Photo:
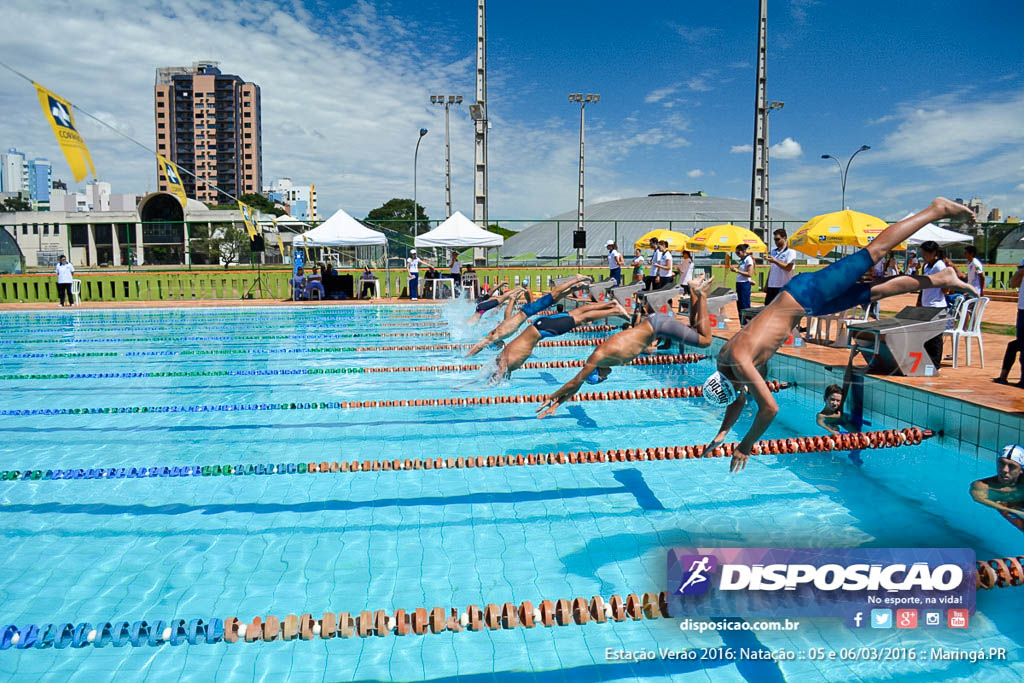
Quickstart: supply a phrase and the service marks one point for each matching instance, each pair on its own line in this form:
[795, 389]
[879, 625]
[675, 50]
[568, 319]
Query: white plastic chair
[967, 326]
[847, 317]
[76, 292]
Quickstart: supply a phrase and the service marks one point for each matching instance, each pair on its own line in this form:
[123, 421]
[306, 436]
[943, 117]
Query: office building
[300, 199]
[208, 123]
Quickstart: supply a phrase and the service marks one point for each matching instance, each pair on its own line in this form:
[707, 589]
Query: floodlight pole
[583, 101]
[447, 101]
[845, 172]
[415, 203]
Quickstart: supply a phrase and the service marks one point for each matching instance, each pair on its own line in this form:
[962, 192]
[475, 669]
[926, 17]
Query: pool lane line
[673, 359]
[305, 325]
[628, 395]
[908, 436]
[553, 343]
[418, 621]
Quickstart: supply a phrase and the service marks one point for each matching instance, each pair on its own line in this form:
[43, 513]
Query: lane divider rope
[551, 343]
[627, 395]
[230, 338]
[805, 444]
[532, 365]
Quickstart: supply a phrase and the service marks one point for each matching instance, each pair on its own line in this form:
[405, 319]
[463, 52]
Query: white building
[13, 171]
[300, 199]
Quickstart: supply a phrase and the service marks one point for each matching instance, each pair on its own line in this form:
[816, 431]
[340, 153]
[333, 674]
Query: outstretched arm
[732, 413]
[979, 492]
[767, 409]
[569, 389]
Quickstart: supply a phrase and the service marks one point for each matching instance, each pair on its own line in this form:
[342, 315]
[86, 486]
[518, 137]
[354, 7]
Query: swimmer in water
[517, 351]
[831, 417]
[822, 292]
[624, 347]
[514, 319]
[492, 300]
[1004, 491]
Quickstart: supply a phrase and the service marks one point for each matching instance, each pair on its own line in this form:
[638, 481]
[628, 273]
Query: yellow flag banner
[173, 176]
[277, 231]
[249, 217]
[58, 113]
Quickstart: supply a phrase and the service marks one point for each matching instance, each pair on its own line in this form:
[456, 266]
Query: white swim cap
[1015, 453]
[718, 390]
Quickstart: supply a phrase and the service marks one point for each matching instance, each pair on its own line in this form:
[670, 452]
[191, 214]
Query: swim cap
[597, 376]
[718, 390]
[1014, 452]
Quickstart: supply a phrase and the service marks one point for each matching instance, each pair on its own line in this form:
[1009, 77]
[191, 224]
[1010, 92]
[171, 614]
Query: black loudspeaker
[579, 239]
[257, 244]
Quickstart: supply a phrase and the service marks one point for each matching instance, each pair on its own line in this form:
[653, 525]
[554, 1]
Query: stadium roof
[678, 211]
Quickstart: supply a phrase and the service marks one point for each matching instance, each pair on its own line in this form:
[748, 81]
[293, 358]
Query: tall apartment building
[208, 123]
[300, 199]
[28, 177]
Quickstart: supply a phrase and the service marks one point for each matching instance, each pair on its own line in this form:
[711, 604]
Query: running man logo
[58, 112]
[695, 579]
[173, 176]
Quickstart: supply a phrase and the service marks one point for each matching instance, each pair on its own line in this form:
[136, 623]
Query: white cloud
[698, 83]
[741, 149]
[787, 149]
[696, 34]
[695, 173]
[659, 94]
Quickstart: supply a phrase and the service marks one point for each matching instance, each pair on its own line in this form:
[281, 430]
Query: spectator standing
[782, 260]
[412, 265]
[638, 265]
[615, 262]
[655, 264]
[1017, 345]
[664, 266]
[65, 278]
[744, 270]
[975, 270]
[686, 268]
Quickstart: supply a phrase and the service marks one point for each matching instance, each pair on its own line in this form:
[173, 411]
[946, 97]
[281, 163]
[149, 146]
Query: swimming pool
[100, 550]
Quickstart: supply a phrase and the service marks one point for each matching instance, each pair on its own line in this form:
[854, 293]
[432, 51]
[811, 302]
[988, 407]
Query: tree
[232, 245]
[498, 230]
[397, 214]
[15, 204]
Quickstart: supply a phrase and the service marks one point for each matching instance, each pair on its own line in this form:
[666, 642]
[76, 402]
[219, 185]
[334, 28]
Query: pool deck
[966, 383]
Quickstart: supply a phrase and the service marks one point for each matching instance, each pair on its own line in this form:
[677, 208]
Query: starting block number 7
[916, 355]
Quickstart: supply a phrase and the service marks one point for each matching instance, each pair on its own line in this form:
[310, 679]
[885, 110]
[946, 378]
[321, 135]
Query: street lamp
[844, 172]
[415, 205]
[583, 101]
[447, 101]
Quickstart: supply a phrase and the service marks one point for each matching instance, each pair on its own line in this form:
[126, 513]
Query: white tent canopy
[936, 234]
[340, 230]
[459, 231]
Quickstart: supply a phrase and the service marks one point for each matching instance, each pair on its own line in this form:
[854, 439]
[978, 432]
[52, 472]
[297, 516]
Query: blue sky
[936, 89]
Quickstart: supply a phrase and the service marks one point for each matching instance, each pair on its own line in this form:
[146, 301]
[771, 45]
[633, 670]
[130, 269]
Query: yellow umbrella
[823, 233]
[677, 241]
[726, 238]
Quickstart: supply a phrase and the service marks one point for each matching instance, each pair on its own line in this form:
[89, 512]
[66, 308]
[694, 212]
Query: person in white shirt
[782, 260]
[933, 263]
[686, 268]
[65, 276]
[615, 262]
[664, 266]
[744, 270]
[655, 261]
[412, 264]
[638, 266]
[975, 271]
[913, 263]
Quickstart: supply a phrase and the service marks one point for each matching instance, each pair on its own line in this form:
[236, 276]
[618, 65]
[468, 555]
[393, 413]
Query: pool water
[166, 548]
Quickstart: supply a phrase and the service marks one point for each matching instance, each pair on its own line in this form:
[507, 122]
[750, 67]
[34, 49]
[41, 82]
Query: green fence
[226, 285]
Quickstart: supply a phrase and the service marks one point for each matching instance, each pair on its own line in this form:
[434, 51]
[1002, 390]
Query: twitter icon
[881, 618]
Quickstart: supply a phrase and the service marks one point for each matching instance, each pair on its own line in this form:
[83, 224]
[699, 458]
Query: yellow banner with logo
[249, 217]
[173, 176]
[58, 113]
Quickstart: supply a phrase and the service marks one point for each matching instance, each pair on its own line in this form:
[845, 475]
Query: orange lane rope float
[802, 444]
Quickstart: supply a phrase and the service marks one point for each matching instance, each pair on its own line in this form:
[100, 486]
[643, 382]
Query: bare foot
[950, 209]
[947, 279]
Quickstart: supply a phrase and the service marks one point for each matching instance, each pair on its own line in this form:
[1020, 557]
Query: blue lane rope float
[643, 360]
[630, 395]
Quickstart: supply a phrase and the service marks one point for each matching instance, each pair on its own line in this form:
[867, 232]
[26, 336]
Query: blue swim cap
[1015, 453]
[593, 378]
